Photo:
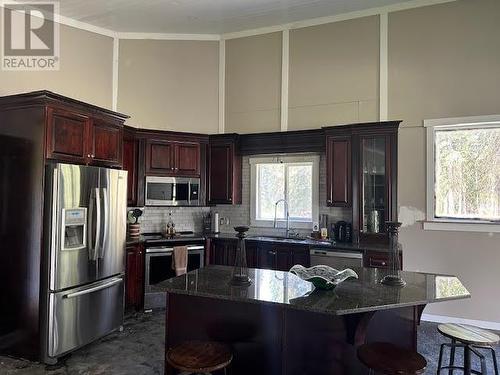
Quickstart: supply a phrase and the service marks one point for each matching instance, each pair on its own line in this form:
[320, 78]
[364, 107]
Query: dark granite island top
[281, 325]
[352, 296]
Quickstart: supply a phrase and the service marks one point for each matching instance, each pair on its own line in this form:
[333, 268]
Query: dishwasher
[336, 259]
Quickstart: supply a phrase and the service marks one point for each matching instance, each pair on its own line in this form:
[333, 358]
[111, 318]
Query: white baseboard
[495, 326]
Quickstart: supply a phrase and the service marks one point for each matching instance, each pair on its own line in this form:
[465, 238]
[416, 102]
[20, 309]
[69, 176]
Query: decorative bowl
[323, 277]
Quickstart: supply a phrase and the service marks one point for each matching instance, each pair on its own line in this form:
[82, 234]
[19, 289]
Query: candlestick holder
[240, 270]
[393, 278]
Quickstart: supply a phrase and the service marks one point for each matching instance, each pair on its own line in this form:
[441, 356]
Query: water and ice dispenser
[74, 229]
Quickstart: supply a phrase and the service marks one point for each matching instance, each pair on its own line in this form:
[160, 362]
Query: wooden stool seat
[389, 359]
[468, 334]
[199, 356]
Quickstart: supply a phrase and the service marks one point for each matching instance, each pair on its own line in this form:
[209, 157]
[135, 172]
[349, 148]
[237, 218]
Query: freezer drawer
[79, 316]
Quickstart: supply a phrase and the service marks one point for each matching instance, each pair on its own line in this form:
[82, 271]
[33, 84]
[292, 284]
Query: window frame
[451, 224]
[273, 159]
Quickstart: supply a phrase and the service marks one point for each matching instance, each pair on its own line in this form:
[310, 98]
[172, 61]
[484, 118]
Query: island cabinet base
[272, 339]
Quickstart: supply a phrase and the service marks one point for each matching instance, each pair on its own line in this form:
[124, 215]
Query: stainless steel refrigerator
[85, 234]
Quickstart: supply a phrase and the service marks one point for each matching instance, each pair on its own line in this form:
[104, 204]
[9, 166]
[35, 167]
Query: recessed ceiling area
[205, 16]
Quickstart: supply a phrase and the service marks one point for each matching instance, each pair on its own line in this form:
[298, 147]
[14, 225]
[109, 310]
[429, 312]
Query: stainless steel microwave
[172, 191]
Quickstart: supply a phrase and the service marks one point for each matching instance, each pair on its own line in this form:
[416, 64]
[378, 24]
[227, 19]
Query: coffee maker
[343, 231]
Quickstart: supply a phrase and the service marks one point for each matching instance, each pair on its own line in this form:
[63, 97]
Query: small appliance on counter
[343, 231]
[207, 223]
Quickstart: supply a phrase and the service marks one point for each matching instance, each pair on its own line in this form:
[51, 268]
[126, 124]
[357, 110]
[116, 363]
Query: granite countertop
[326, 244]
[134, 240]
[352, 296]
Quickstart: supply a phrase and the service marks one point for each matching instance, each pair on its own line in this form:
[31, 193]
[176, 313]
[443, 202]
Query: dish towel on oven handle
[180, 260]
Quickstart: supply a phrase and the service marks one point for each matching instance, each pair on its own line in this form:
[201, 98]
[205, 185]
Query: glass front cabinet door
[377, 183]
[373, 185]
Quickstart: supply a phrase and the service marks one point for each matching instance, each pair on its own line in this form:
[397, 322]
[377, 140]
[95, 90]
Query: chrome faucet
[287, 215]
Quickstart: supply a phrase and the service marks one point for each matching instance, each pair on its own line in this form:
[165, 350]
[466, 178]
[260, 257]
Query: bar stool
[469, 338]
[198, 357]
[389, 359]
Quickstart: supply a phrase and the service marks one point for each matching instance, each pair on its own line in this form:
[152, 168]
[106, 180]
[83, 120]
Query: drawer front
[378, 262]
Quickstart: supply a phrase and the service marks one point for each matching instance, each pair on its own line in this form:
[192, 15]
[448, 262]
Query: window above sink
[294, 178]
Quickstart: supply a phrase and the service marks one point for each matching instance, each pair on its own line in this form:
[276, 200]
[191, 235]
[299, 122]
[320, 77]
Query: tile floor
[138, 350]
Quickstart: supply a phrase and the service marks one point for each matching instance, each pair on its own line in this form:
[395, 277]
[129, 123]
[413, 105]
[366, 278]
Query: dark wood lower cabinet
[260, 254]
[378, 259]
[134, 274]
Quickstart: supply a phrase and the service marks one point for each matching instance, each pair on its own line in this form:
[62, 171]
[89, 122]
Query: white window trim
[281, 224]
[433, 223]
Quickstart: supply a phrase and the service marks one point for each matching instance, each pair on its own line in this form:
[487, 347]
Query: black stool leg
[482, 358]
[467, 367]
[452, 356]
[495, 364]
[440, 359]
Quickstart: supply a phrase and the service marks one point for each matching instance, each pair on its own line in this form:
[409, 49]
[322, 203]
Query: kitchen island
[281, 325]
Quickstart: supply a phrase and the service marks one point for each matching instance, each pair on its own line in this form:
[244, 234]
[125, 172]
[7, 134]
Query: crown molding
[167, 36]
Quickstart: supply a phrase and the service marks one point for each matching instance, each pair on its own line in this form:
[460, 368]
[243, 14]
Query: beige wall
[444, 61]
[86, 70]
[169, 85]
[253, 84]
[334, 73]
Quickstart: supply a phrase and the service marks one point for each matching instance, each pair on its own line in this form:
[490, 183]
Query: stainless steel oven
[172, 191]
[158, 268]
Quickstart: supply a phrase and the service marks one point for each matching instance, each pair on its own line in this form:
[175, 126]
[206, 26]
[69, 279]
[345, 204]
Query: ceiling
[205, 16]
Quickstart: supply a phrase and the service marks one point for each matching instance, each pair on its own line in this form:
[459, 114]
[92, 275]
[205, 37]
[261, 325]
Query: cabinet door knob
[93, 156]
[172, 168]
[329, 201]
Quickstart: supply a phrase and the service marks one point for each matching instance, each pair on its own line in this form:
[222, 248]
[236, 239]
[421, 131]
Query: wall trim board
[168, 36]
[63, 20]
[222, 86]
[116, 61]
[335, 18]
[451, 319]
[384, 68]
[285, 68]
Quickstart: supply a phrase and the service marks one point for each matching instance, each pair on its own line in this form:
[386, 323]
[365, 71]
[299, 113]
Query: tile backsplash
[240, 214]
[154, 219]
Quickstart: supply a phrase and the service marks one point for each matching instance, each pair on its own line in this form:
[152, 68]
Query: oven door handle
[168, 250]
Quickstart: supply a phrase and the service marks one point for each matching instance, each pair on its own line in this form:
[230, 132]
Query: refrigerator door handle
[94, 240]
[94, 289]
[105, 222]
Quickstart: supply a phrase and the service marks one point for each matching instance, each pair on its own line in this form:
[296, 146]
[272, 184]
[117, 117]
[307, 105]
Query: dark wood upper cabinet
[67, 135]
[187, 159]
[224, 170]
[160, 157]
[130, 164]
[362, 173]
[81, 133]
[338, 171]
[165, 157]
[106, 143]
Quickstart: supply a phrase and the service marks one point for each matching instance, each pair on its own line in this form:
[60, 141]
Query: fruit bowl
[323, 277]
